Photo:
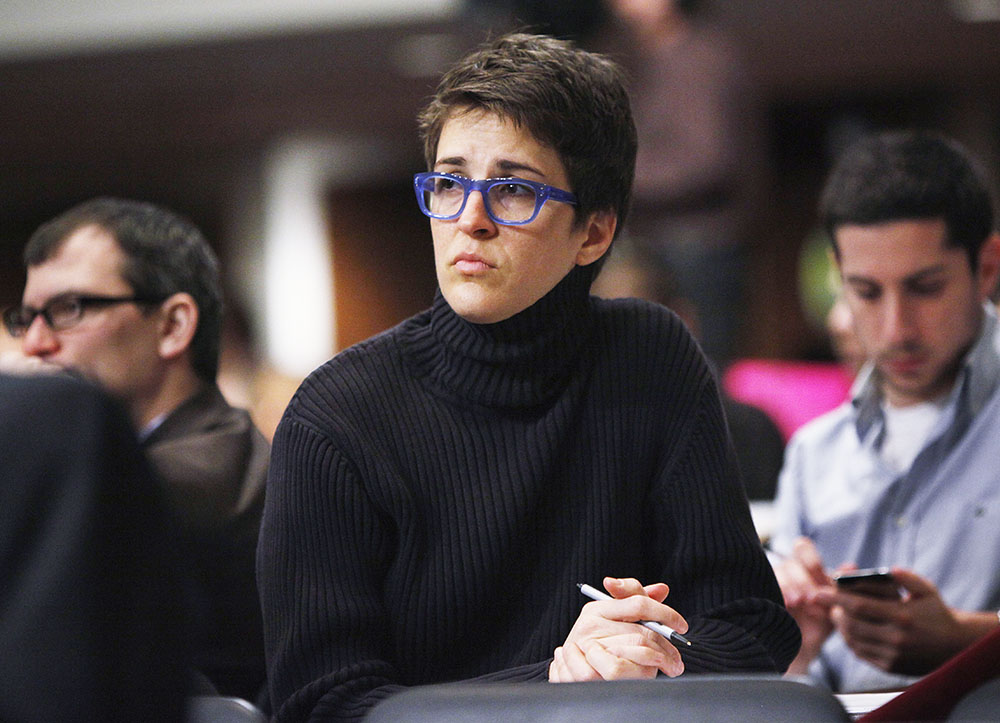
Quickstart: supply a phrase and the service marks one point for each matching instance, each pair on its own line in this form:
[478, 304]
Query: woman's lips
[470, 264]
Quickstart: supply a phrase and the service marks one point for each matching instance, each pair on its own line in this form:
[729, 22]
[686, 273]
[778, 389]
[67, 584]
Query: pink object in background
[792, 392]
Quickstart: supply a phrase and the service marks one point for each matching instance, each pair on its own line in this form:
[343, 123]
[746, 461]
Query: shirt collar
[982, 364]
[154, 423]
[976, 382]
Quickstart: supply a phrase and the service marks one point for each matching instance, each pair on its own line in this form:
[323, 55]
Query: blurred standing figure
[127, 294]
[700, 161]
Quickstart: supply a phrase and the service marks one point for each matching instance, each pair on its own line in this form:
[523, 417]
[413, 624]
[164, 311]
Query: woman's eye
[515, 189]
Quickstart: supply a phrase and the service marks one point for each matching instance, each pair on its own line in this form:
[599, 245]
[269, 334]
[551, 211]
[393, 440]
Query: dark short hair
[910, 175]
[574, 101]
[164, 254]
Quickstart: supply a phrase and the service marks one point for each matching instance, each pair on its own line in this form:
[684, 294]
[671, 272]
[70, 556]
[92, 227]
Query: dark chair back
[748, 699]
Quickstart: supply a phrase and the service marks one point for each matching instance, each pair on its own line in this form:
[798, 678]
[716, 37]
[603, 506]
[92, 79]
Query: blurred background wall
[286, 131]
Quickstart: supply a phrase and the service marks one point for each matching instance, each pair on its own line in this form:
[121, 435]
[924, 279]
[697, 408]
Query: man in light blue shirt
[907, 473]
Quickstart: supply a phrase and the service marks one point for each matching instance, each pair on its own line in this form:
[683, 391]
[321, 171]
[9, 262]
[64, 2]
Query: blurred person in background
[127, 295]
[904, 474]
[701, 164]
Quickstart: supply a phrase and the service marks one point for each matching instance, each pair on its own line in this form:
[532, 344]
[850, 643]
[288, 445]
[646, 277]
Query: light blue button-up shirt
[940, 519]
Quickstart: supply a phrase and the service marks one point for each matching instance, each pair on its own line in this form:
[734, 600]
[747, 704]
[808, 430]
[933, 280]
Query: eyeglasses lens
[512, 201]
[443, 196]
[64, 313]
[14, 320]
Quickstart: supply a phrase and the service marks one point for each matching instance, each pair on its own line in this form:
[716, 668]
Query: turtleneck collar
[522, 361]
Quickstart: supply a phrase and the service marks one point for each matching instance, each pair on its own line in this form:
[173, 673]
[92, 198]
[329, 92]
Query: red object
[933, 696]
[791, 392]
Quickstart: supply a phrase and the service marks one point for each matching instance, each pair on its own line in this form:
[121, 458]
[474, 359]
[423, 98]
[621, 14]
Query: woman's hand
[608, 642]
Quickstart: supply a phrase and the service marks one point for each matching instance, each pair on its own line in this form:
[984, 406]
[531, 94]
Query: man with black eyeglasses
[127, 295]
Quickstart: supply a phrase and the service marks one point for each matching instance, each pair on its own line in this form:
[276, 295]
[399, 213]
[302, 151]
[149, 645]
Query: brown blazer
[213, 463]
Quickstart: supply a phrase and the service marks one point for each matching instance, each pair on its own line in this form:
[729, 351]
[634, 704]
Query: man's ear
[178, 323]
[600, 232]
[988, 272]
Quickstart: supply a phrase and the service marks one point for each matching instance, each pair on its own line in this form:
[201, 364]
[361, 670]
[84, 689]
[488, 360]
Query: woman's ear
[178, 323]
[600, 232]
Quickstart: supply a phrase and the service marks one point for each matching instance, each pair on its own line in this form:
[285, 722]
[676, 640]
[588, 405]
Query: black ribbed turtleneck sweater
[437, 491]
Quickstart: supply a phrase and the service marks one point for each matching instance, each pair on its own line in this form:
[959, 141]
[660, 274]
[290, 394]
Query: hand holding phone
[873, 581]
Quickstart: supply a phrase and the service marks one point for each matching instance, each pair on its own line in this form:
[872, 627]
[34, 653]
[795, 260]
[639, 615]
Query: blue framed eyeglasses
[508, 201]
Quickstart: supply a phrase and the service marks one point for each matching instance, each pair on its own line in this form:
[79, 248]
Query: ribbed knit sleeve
[322, 551]
[437, 492]
[729, 594]
[700, 537]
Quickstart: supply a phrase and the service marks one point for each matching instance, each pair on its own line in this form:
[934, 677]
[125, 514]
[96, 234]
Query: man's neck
[899, 400]
[178, 386]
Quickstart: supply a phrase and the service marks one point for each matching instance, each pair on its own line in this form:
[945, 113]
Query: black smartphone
[872, 581]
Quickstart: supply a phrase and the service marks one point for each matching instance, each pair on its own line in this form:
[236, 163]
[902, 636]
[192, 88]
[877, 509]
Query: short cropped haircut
[165, 254]
[910, 175]
[571, 100]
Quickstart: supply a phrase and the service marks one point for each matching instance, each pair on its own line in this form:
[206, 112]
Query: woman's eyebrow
[508, 166]
[504, 165]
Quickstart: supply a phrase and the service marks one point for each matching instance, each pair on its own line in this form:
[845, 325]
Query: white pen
[669, 633]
